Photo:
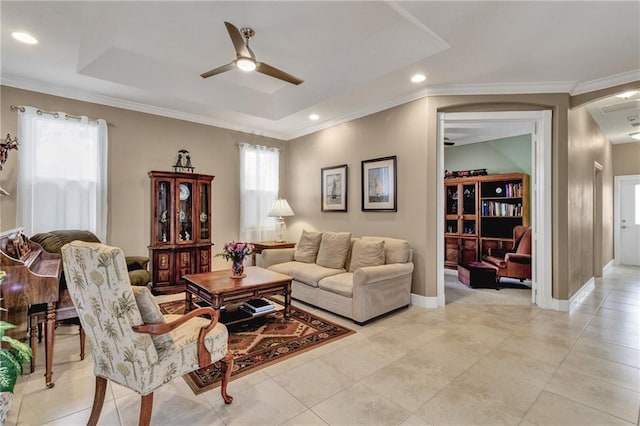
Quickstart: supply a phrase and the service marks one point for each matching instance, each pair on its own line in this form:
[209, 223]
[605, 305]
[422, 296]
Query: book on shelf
[258, 306]
[248, 310]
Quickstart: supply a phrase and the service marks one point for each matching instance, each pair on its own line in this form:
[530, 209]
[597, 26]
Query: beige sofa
[358, 278]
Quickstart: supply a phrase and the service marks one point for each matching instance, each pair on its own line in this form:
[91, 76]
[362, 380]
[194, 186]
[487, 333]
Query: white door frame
[541, 198]
[617, 181]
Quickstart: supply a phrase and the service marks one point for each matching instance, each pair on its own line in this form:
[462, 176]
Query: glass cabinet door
[205, 214]
[184, 211]
[469, 208]
[163, 233]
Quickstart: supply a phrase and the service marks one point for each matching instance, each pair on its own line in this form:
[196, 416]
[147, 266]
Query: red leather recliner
[515, 263]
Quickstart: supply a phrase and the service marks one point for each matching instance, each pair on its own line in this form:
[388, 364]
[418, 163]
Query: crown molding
[87, 96]
[572, 88]
[501, 88]
[442, 90]
[606, 82]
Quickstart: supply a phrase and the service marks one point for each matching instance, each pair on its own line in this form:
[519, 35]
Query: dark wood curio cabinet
[180, 228]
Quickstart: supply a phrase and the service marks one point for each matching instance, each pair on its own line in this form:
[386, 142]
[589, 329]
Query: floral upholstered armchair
[132, 343]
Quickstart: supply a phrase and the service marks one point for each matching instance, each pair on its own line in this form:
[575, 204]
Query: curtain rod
[56, 114]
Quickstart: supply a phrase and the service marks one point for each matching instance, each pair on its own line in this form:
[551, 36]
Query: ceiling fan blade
[263, 68]
[219, 70]
[242, 50]
[449, 143]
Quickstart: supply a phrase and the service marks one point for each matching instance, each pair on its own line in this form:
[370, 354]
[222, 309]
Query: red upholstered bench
[478, 274]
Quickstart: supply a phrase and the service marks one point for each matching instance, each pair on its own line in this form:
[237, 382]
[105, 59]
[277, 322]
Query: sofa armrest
[372, 274]
[135, 263]
[275, 256]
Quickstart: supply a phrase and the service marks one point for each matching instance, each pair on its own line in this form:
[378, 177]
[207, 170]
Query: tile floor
[459, 365]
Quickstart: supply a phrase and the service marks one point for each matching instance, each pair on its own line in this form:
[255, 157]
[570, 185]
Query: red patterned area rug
[261, 342]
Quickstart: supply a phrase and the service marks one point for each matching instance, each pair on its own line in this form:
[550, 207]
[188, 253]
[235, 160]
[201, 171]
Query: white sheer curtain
[259, 181]
[62, 183]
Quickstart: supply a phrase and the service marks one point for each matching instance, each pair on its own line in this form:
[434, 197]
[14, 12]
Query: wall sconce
[7, 145]
[180, 166]
[280, 209]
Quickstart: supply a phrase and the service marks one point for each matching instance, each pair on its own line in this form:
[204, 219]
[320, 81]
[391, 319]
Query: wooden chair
[37, 316]
[132, 343]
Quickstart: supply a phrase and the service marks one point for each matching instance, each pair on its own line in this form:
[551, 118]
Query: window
[259, 181]
[62, 182]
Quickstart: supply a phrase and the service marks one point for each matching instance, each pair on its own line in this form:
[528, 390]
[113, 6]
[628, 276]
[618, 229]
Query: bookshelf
[481, 212]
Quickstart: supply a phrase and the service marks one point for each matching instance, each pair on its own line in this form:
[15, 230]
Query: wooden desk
[263, 245]
[218, 289]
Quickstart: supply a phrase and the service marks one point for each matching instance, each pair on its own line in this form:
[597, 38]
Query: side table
[263, 245]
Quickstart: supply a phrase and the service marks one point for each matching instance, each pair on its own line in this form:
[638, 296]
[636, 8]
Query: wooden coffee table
[218, 289]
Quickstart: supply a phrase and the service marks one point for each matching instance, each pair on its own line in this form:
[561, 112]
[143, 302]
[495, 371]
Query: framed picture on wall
[379, 185]
[334, 188]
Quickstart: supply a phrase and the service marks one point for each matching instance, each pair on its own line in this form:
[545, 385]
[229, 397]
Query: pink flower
[236, 250]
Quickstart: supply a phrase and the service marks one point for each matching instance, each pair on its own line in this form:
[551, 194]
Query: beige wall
[587, 144]
[626, 159]
[140, 143]
[399, 131]
[410, 132]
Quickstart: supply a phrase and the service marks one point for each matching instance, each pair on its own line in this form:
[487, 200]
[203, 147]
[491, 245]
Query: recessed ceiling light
[314, 117]
[24, 37]
[635, 136]
[627, 95]
[418, 78]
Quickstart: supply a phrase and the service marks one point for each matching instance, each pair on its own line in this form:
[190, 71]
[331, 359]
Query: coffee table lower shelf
[235, 315]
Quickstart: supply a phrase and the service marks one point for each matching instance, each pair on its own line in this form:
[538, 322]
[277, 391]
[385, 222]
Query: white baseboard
[578, 296]
[450, 272]
[424, 301]
[608, 266]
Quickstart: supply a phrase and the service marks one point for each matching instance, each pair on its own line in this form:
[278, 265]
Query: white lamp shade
[281, 208]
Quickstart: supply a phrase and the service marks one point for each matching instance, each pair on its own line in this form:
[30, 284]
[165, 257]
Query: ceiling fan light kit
[246, 64]
[245, 58]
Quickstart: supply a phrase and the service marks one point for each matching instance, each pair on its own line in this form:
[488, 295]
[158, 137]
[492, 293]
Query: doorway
[539, 124]
[597, 219]
[627, 220]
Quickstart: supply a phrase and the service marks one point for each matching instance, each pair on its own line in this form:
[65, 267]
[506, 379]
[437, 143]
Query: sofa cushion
[333, 249]
[366, 253]
[307, 248]
[307, 273]
[341, 284]
[150, 313]
[395, 250]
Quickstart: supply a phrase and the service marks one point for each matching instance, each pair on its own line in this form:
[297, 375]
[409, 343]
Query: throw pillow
[307, 248]
[395, 250]
[151, 314]
[333, 249]
[366, 253]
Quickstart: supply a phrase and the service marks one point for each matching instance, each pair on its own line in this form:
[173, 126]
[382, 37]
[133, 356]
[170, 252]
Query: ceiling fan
[448, 141]
[246, 60]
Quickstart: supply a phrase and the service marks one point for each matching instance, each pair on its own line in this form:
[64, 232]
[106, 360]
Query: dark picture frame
[334, 188]
[379, 184]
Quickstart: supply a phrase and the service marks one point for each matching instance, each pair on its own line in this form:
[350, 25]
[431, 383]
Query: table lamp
[280, 209]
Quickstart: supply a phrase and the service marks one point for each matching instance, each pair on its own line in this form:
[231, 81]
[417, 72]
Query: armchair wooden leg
[98, 400]
[146, 405]
[226, 364]
[83, 338]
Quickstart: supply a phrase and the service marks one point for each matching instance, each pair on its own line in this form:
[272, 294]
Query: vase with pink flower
[236, 252]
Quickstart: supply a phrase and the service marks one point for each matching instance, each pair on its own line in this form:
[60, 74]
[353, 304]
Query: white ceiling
[355, 57]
